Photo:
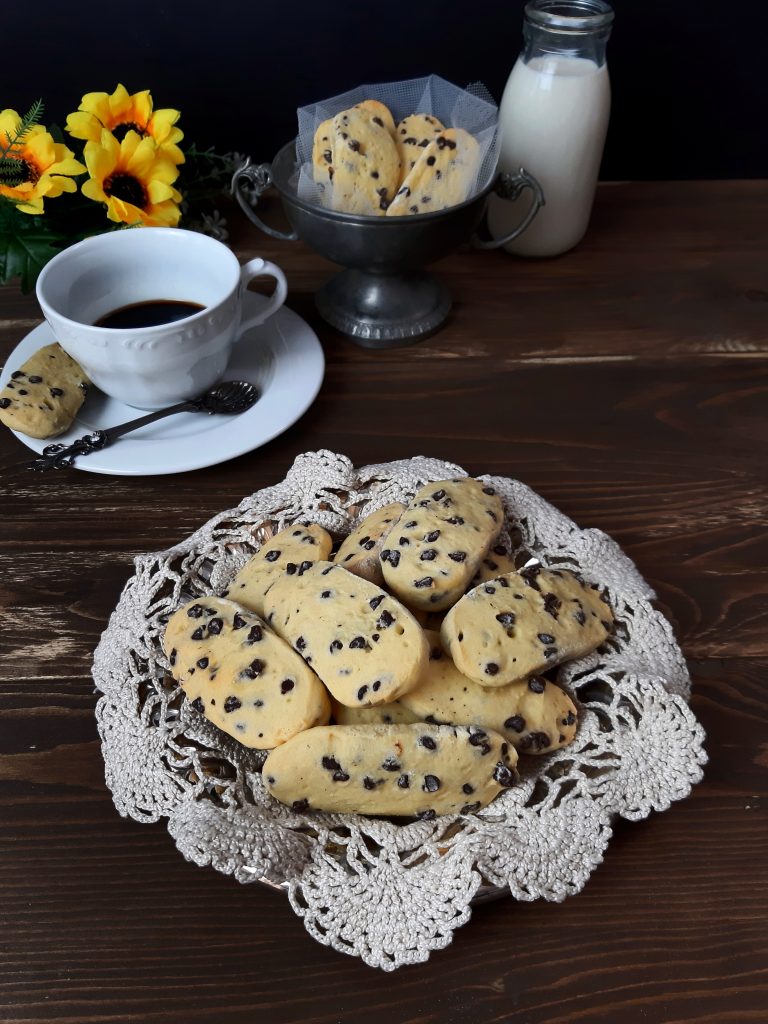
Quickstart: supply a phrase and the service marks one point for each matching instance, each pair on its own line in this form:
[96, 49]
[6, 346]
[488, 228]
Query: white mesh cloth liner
[388, 892]
[472, 109]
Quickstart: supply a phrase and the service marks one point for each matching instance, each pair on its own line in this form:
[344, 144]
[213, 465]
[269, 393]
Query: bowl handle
[510, 186]
[248, 183]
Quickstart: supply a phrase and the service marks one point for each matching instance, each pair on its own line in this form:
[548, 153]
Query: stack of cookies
[369, 165]
[402, 674]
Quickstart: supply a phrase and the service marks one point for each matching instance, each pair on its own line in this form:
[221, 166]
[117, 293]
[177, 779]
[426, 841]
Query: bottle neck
[567, 28]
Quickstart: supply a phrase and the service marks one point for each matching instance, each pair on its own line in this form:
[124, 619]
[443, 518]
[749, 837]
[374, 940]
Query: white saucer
[283, 357]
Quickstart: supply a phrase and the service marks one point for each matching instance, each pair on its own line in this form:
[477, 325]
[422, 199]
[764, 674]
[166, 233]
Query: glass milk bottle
[553, 119]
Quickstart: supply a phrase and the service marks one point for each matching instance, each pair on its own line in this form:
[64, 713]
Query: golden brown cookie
[413, 134]
[441, 177]
[366, 166]
[42, 397]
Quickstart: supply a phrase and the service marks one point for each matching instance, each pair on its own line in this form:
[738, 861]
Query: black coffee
[149, 314]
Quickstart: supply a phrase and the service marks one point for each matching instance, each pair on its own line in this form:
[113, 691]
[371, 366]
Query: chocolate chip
[516, 722]
[198, 705]
[370, 783]
[426, 581]
[300, 805]
[503, 775]
[362, 692]
[489, 490]
[390, 765]
[569, 719]
[370, 545]
[530, 574]
[535, 740]
[34, 379]
[272, 556]
[376, 686]
[404, 191]
[17, 373]
[232, 704]
[340, 777]
[429, 555]
[404, 782]
[195, 611]
[375, 637]
[4, 403]
[580, 617]
[199, 633]
[428, 742]
[291, 568]
[393, 557]
[254, 669]
[238, 622]
[410, 526]
[329, 569]
[258, 703]
[404, 542]
[335, 645]
[458, 556]
[438, 495]
[506, 618]
[301, 643]
[431, 784]
[304, 566]
[546, 638]
[491, 668]
[490, 590]
[255, 634]
[330, 763]
[456, 521]
[385, 620]
[551, 604]
[431, 160]
[286, 686]
[376, 601]
[354, 145]
[427, 815]
[202, 663]
[215, 626]
[550, 652]
[536, 685]
[413, 209]
[374, 174]
[172, 657]
[358, 643]
[325, 594]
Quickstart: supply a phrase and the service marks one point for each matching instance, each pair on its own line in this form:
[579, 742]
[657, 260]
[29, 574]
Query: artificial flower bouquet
[130, 172]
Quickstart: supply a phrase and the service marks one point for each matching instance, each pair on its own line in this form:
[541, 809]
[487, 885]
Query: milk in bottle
[553, 119]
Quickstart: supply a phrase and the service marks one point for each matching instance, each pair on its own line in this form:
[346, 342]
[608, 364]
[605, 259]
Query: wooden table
[626, 382]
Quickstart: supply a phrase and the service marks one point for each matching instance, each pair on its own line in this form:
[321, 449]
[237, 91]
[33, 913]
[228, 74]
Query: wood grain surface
[626, 382]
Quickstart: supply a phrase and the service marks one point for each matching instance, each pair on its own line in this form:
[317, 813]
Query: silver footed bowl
[384, 298]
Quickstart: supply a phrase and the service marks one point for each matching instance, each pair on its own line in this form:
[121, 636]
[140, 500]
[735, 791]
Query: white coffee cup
[154, 366]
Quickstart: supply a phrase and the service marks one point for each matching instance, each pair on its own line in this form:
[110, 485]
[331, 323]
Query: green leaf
[27, 243]
[30, 119]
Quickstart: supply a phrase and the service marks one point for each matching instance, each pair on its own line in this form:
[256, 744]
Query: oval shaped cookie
[289, 551]
[440, 540]
[240, 675]
[421, 770]
[43, 396]
[442, 176]
[359, 553]
[366, 167]
[413, 134]
[364, 645]
[535, 716]
[522, 623]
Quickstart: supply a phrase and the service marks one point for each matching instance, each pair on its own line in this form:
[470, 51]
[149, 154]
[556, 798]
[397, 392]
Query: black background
[689, 76]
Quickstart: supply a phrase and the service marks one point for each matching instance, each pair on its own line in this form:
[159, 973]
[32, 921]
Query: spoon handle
[61, 456]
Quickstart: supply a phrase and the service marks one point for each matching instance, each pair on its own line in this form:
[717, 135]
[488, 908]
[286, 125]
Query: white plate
[283, 357]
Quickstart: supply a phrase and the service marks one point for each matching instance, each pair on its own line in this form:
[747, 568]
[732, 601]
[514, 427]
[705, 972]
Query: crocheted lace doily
[387, 892]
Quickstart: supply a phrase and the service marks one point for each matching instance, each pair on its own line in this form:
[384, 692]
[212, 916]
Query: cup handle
[263, 268]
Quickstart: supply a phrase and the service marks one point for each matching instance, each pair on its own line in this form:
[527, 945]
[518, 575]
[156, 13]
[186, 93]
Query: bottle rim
[569, 15]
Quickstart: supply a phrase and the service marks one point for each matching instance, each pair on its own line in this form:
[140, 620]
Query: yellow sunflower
[45, 165]
[134, 178]
[122, 112]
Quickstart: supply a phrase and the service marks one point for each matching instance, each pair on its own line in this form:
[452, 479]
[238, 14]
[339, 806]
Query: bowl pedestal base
[384, 310]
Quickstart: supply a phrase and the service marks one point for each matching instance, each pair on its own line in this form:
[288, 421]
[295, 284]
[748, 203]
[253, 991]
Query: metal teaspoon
[231, 397]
